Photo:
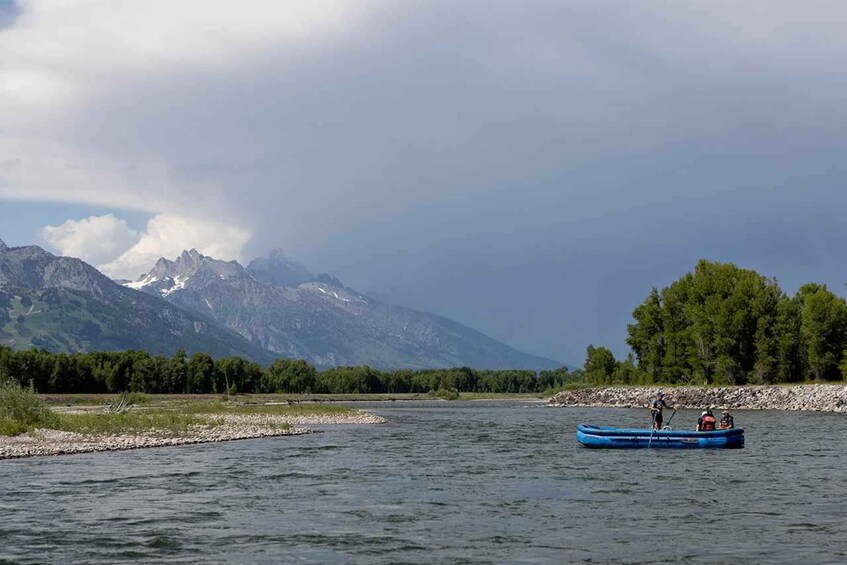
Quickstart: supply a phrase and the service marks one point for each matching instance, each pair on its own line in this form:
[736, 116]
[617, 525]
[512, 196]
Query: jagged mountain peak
[3, 246]
[168, 276]
[280, 305]
[162, 266]
[279, 269]
[192, 257]
[329, 280]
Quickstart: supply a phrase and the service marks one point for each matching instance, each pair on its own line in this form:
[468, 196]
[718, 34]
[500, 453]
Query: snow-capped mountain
[168, 276]
[277, 303]
[65, 304]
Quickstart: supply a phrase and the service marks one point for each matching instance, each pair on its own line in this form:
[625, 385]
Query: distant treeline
[137, 371]
[725, 325]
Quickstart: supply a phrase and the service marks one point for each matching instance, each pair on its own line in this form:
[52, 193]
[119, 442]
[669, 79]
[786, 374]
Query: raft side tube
[608, 437]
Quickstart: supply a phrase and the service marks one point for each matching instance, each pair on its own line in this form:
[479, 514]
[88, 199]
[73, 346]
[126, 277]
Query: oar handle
[672, 415]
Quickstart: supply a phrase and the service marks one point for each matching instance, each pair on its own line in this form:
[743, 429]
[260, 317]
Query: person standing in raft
[727, 421]
[656, 407]
[706, 422]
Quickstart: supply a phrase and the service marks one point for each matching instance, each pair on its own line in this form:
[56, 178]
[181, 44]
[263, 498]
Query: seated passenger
[727, 421]
[706, 422]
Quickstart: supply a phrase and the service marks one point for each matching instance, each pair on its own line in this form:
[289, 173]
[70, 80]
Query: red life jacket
[708, 424]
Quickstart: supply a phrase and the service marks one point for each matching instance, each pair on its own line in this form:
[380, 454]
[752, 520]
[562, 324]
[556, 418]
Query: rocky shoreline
[228, 427]
[820, 398]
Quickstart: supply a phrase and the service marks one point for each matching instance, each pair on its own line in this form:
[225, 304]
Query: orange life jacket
[708, 424]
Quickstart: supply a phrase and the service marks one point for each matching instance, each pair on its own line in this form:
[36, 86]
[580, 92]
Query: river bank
[816, 397]
[83, 399]
[203, 428]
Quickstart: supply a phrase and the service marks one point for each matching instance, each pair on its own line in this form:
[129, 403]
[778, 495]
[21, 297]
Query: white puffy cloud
[108, 242]
[96, 239]
[168, 235]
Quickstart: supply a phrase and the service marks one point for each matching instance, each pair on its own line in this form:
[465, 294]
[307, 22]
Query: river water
[442, 482]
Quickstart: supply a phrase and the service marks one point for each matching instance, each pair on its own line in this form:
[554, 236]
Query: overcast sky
[529, 168]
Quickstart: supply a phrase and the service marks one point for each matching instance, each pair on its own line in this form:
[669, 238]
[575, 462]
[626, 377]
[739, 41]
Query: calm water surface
[443, 482]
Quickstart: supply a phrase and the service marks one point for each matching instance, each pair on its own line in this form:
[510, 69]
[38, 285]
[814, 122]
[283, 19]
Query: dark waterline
[442, 482]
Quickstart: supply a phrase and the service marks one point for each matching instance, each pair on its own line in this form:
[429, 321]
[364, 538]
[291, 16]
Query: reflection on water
[442, 482]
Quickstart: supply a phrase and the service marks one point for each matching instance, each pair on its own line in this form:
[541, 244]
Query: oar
[652, 429]
[671, 418]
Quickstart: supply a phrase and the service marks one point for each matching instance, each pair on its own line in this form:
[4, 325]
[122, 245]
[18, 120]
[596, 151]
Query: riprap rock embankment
[824, 397]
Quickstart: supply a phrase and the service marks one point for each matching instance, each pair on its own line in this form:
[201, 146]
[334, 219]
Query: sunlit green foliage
[289, 375]
[725, 325]
[21, 409]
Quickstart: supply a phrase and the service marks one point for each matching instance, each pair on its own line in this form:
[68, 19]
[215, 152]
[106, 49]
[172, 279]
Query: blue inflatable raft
[629, 438]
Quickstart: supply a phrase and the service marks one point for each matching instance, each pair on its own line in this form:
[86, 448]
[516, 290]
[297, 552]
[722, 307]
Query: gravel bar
[224, 427]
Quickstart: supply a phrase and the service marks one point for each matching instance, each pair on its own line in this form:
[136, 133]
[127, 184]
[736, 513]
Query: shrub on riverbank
[445, 394]
[21, 409]
[101, 423]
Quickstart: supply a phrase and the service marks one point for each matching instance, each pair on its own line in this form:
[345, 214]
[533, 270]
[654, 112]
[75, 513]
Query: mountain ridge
[65, 305]
[273, 307]
[279, 303]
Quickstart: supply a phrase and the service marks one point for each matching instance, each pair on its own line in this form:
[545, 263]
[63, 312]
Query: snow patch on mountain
[147, 279]
[178, 284]
[337, 293]
[164, 285]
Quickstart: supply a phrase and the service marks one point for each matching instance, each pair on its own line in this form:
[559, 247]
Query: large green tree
[201, 372]
[823, 329]
[600, 364]
[717, 324]
[289, 375]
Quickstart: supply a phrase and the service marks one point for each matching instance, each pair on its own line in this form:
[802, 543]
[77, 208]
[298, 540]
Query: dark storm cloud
[9, 12]
[529, 168]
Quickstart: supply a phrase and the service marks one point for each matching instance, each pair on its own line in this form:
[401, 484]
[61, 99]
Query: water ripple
[442, 482]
